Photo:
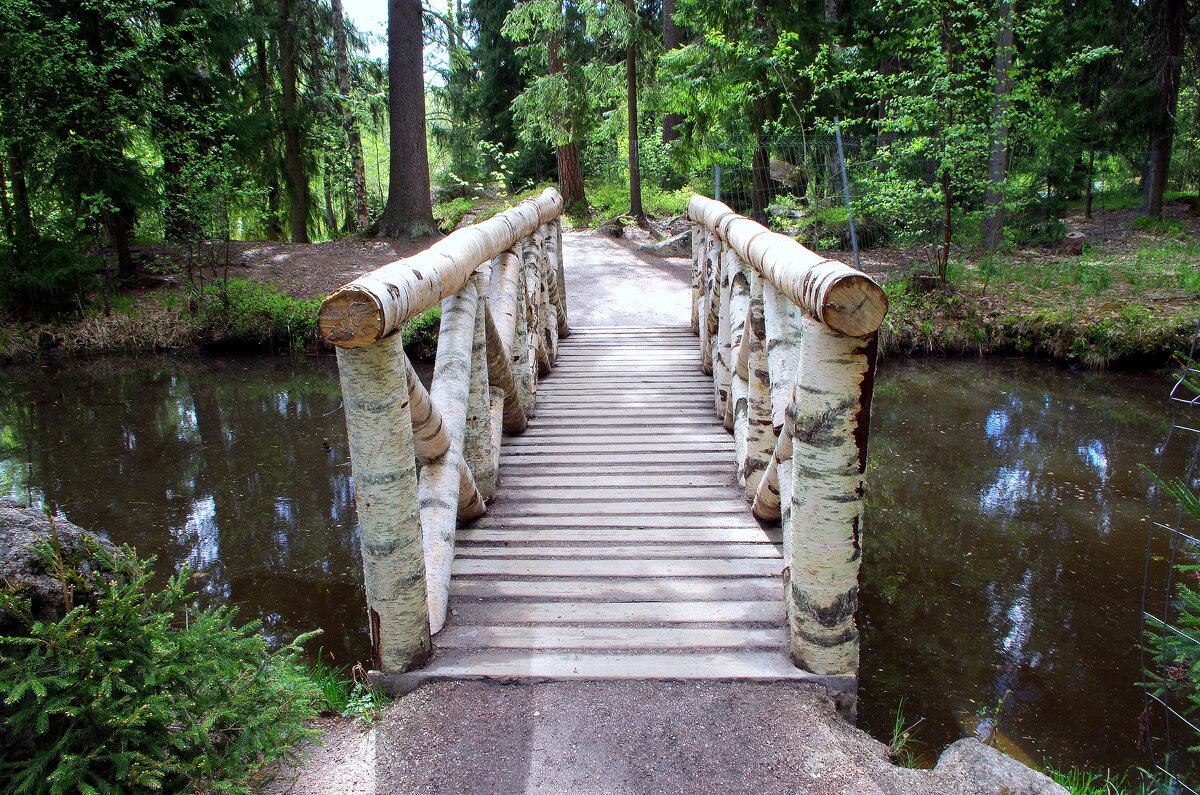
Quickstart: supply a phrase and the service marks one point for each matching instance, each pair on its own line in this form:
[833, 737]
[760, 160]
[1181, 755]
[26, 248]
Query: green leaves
[134, 691]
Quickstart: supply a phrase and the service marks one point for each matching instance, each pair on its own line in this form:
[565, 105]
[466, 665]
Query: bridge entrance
[607, 533]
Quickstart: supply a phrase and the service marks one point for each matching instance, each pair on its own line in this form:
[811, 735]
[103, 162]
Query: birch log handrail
[789, 338]
[425, 459]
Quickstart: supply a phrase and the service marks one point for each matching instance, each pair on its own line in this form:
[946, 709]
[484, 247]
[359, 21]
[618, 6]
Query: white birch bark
[697, 277]
[500, 376]
[729, 265]
[843, 299]
[478, 441]
[760, 434]
[377, 303]
[375, 394]
[564, 325]
[442, 481]
[735, 418]
[429, 434]
[829, 417]
[555, 280]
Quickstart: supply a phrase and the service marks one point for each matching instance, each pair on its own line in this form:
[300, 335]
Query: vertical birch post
[829, 417]
[478, 441]
[721, 348]
[736, 406]
[792, 358]
[760, 434]
[379, 430]
[442, 492]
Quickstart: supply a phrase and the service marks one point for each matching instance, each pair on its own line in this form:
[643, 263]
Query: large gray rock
[993, 771]
[22, 569]
[678, 246]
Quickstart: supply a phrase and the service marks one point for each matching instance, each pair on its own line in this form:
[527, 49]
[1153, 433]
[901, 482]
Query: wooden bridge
[611, 502]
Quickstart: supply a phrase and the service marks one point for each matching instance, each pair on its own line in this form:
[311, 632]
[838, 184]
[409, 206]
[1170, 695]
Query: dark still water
[1003, 554]
[236, 467]
[1003, 547]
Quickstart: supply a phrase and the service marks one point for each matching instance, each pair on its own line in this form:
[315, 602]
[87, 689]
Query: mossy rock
[24, 532]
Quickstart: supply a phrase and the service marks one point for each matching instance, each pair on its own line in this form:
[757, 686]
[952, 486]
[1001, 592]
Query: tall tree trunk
[631, 98]
[570, 174]
[5, 207]
[358, 171]
[22, 214]
[289, 108]
[993, 222]
[408, 210]
[1162, 131]
[671, 41]
[1087, 189]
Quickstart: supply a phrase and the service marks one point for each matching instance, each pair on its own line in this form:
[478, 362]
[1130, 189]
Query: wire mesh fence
[916, 191]
[1171, 593]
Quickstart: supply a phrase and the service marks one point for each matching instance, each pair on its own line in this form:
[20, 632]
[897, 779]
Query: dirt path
[588, 738]
[609, 283]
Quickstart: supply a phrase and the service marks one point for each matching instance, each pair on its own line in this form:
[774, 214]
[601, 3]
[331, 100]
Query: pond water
[1004, 532]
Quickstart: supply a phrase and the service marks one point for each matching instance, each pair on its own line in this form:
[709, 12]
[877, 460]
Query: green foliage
[902, 745]
[1161, 226]
[420, 334]
[133, 690]
[1085, 782]
[42, 275]
[351, 695]
[256, 315]
[448, 214]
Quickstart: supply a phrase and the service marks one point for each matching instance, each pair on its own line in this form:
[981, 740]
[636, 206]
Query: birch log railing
[789, 338]
[423, 460]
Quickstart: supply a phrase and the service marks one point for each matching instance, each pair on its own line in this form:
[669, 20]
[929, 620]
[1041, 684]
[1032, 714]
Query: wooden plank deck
[620, 546]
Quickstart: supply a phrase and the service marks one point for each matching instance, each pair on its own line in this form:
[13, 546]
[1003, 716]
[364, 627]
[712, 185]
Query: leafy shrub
[448, 214]
[1161, 226]
[133, 690]
[420, 334]
[256, 315]
[41, 275]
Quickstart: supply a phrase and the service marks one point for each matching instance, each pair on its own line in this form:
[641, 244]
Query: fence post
[379, 429]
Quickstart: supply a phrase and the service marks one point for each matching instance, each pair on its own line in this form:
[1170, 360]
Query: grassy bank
[1133, 305]
[229, 316]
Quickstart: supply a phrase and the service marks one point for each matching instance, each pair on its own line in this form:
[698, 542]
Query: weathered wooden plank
[681, 567]
[745, 665]
[646, 589]
[728, 520]
[596, 508]
[643, 638]
[492, 613]
[581, 489]
[560, 479]
[619, 458]
[733, 535]
[640, 552]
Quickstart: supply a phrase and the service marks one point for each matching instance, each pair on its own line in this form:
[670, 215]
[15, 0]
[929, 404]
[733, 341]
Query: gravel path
[609, 283]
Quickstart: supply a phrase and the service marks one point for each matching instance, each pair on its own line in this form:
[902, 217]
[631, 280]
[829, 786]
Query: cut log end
[854, 306]
[351, 318]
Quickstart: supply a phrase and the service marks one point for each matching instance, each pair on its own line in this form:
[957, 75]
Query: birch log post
[379, 430]
[760, 433]
[477, 445]
[564, 325]
[796, 354]
[447, 488]
[409, 516]
[735, 407]
[828, 418]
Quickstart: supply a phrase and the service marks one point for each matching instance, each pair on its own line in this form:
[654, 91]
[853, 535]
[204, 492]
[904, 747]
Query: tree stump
[1072, 244]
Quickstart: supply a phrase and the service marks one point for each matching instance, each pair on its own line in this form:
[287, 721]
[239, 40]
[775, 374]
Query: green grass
[346, 693]
[1085, 782]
